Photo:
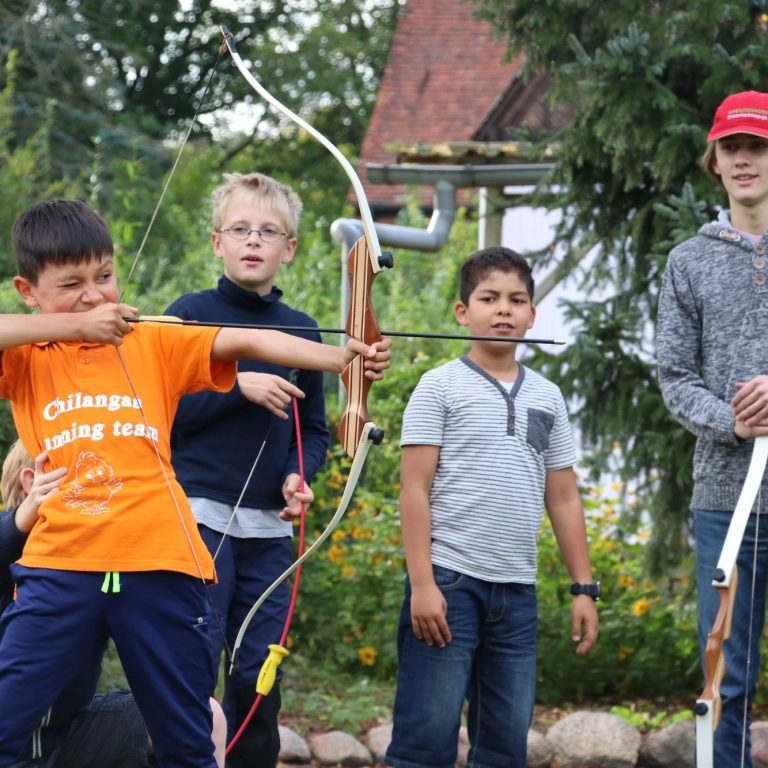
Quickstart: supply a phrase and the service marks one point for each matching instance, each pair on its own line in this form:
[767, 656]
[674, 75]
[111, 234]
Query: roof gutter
[502, 174]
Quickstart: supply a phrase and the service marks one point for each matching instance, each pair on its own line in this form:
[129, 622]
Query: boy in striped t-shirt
[486, 446]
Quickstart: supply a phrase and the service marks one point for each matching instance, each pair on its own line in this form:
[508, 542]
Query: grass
[314, 700]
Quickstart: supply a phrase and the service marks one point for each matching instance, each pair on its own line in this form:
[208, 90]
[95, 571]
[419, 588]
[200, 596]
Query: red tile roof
[445, 77]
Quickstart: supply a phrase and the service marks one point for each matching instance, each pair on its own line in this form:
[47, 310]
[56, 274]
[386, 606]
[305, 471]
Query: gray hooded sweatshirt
[713, 332]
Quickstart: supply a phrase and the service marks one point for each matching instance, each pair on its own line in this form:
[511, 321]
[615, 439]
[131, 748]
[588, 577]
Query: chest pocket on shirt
[540, 425]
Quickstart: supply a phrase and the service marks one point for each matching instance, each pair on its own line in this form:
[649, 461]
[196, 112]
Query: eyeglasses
[267, 234]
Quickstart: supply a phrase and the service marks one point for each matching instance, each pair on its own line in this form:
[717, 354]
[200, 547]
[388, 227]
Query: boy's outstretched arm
[565, 510]
[296, 352]
[104, 324]
[418, 464]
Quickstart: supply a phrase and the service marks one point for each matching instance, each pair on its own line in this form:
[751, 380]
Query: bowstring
[235, 509]
[750, 634]
[175, 165]
[167, 479]
[219, 620]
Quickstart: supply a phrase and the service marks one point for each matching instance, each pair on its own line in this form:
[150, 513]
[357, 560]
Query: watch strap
[593, 590]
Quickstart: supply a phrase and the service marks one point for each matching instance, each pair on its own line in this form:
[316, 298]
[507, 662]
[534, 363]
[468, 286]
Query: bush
[647, 645]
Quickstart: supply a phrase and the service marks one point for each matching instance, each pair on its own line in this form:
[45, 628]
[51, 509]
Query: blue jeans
[490, 662]
[710, 528]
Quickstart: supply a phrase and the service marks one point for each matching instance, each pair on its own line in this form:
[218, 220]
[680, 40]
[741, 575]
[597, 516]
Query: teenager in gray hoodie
[713, 368]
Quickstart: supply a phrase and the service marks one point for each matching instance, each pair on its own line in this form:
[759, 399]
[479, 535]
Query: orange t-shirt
[117, 509]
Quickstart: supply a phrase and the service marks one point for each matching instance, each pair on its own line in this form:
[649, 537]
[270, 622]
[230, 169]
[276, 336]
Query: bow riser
[714, 657]
[362, 268]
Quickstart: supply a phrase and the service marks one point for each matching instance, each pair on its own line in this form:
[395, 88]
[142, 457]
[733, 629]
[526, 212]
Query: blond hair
[707, 163]
[10, 481]
[270, 193]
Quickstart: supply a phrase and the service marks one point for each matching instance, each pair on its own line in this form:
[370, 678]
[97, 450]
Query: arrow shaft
[299, 328]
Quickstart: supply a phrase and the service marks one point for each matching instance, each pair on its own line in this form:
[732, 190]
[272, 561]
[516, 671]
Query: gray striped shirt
[487, 498]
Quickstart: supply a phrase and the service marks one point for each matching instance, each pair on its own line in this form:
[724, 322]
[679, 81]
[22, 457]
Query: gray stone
[337, 747]
[293, 749]
[759, 734]
[378, 739]
[594, 740]
[671, 747]
[539, 751]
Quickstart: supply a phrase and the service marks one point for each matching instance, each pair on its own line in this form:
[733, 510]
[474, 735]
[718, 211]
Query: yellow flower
[348, 571]
[338, 535]
[624, 652]
[358, 532]
[626, 581]
[640, 606]
[367, 655]
[617, 486]
[346, 639]
[336, 554]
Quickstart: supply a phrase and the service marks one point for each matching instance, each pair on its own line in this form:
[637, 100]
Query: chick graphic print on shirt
[95, 484]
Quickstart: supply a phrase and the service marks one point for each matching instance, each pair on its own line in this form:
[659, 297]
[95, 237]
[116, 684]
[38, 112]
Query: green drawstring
[115, 577]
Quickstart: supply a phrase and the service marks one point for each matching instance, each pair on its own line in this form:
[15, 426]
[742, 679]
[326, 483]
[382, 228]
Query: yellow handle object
[269, 669]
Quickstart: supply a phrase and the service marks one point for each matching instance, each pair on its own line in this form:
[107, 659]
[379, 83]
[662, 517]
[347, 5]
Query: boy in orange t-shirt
[116, 551]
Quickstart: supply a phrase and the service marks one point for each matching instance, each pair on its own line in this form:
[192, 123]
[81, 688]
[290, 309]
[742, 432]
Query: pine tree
[643, 80]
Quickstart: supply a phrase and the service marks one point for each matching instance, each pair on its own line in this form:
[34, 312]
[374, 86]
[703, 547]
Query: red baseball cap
[745, 112]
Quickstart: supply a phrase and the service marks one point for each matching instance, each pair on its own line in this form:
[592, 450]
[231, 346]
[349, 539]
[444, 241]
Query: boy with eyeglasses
[216, 438]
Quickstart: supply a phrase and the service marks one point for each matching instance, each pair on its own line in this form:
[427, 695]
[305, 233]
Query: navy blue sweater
[216, 436]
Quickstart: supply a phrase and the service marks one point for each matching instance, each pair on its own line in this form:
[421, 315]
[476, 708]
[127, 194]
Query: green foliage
[26, 166]
[134, 77]
[650, 721]
[642, 81]
[647, 645]
[314, 697]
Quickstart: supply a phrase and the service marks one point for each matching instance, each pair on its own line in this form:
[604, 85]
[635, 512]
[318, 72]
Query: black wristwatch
[593, 590]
